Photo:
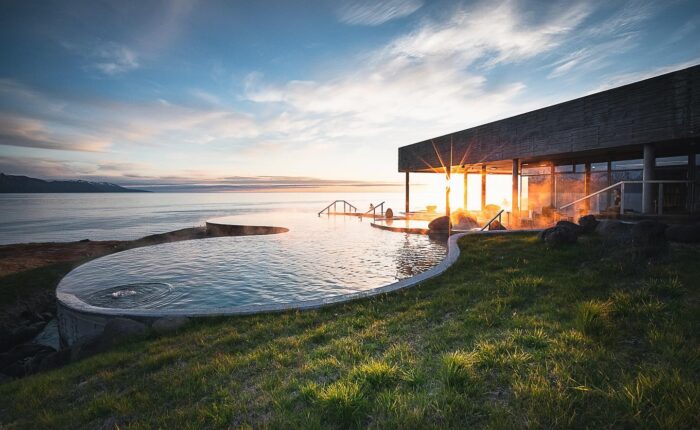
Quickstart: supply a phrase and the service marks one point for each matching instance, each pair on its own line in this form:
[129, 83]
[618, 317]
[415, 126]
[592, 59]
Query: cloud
[424, 83]
[592, 57]
[599, 44]
[113, 59]
[65, 122]
[107, 58]
[43, 168]
[376, 12]
[30, 133]
[619, 79]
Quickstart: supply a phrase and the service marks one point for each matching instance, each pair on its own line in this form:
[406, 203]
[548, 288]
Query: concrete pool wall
[77, 319]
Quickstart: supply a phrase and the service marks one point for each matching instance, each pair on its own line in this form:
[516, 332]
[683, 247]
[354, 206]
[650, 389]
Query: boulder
[613, 229]
[496, 225]
[118, 329]
[389, 214]
[169, 324]
[588, 224]
[440, 224]
[648, 237]
[23, 333]
[22, 352]
[558, 236]
[685, 233]
[21, 360]
[544, 233]
[575, 228]
[463, 221]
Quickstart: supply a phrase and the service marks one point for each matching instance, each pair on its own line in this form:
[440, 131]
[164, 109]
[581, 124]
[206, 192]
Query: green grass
[514, 335]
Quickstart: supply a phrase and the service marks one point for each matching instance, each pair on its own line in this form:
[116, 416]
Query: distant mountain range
[25, 184]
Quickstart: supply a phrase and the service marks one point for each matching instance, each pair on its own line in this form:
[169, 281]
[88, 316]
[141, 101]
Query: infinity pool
[318, 258]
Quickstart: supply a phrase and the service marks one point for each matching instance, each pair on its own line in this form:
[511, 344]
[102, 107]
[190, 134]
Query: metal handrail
[498, 215]
[345, 203]
[622, 184]
[374, 209]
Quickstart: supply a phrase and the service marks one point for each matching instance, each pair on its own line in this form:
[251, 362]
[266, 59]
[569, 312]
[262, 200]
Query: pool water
[320, 257]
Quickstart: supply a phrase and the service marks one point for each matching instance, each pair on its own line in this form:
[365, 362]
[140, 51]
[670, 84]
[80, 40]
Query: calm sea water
[69, 217]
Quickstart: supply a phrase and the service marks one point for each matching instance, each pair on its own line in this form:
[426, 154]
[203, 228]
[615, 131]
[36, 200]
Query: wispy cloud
[619, 79]
[107, 58]
[428, 81]
[30, 133]
[599, 44]
[376, 12]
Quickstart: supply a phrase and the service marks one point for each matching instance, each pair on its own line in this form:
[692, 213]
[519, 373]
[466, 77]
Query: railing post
[622, 198]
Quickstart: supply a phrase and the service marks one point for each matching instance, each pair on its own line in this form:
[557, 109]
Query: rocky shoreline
[29, 274]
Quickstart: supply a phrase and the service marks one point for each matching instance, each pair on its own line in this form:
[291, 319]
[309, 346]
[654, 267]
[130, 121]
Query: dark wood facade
[613, 124]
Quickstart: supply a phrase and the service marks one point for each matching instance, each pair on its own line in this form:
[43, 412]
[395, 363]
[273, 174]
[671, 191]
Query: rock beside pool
[575, 228]
[497, 225]
[684, 233]
[648, 237]
[440, 225]
[463, 221]
[588, 224]
[24, 332]
[613, 229]
[558, 236]
[18, 361]
[169, 324]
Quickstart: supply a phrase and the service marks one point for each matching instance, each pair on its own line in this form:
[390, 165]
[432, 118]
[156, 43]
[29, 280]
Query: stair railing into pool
[373, 209]
[498, 215]
[334, 204]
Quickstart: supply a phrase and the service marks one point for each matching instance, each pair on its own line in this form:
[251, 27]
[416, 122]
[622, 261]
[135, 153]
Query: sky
[219, 95]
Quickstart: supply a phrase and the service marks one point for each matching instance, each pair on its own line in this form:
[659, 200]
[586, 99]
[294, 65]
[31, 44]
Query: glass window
[565, 168]
[628, 164]
[599, 167]
[534, 169]
[672, 161]
[580, 168]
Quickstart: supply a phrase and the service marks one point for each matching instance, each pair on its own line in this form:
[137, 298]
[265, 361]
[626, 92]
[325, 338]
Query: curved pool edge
[77, 319]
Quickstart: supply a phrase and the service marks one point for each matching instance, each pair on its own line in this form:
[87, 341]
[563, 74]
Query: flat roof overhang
[610, 125]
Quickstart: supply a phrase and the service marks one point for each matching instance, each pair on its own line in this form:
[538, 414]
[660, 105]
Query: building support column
[552, 187]
[466, 192]
[483, 187]
[648, 175]
[448, 176]
[407, 194]
[587, 188]
[609, 193]
[692, 169]
[514, 206]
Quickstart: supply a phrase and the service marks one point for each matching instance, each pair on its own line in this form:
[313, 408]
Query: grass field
[514, 335]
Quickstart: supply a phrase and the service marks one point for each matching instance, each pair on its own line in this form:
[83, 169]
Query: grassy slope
[514, 335]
